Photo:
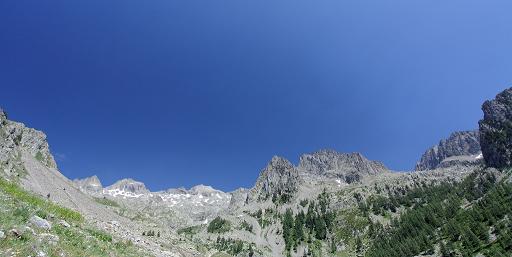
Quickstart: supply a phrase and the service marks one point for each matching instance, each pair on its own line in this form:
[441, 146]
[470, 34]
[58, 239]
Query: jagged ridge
[460, 148]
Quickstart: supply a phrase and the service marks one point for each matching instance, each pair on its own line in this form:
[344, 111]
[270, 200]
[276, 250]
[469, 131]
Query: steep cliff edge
[496, 130]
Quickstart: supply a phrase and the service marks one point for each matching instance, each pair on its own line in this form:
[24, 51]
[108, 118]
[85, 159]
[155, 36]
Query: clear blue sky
[181, 92]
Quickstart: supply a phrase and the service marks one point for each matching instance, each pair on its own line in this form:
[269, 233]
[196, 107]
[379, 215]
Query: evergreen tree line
[233, 247]
[316, 223]
[457, 218]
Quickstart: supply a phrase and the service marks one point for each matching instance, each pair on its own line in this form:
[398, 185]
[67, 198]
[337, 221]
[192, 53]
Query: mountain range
[329, 204]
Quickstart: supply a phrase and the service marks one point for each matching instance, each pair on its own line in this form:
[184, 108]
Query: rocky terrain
[329, 204]
[175, 207]
[25, 159]
[461, 148]
[346, 167]
[496, 130]
[279, 178]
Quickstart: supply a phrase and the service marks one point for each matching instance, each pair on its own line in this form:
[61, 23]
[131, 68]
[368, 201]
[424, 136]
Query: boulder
[40, 223]
[49, 238]
[64, 224]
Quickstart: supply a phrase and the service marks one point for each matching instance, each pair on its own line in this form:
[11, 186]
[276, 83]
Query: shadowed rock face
[461, 148]
[496, 131]
[350, 167]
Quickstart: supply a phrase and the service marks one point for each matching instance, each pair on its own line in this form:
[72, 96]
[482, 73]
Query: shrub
[219, 225]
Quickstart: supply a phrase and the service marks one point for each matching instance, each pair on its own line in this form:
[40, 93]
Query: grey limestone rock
[350, 167]
[496, 131]
[89, 185]
[128, 186]
[49, 238]
[64, 224]
[278, 178]
[15, 139]
[239, 198]
[40, 222]
[461, 148]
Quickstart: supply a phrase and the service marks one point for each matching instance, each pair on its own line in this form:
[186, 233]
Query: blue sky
[177, 93]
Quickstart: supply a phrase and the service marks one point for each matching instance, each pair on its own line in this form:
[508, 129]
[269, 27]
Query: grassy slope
[18, 206]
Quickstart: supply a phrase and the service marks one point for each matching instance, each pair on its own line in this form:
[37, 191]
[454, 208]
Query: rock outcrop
[350, 167]
[496, 131]
[127, 187]
[461, 148]
[206, 191]
[239, 198]
[40, 223]
[91, 185]
[279, 178]
[16, 139]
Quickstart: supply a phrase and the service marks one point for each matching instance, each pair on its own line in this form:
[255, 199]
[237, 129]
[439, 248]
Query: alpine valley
[456, 202]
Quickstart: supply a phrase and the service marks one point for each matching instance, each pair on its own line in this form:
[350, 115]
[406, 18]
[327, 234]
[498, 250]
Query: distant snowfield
[120, 192]
[174, 199]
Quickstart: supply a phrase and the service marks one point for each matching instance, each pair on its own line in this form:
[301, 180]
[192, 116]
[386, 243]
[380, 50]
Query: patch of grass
[100, 235]
[219, 225]
[350, 222]
[16, 192]
[42, 214]
[39, 156]
[106, 202]
[246, 226]
[189, 230]
[17, 206]
[22, 212]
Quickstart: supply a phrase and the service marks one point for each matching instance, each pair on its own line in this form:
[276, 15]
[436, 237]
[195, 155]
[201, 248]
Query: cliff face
[350, 167]
[496, 130]
[461, 148]
[15, 140]
[279, 177]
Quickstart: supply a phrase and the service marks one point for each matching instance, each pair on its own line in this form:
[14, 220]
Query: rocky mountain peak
[461, 147]
[128, 185]
[279, 162]
[499, 109]
[204, 190]
[496, 130]
[89, 184]
[348, 166]
[279, 177]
